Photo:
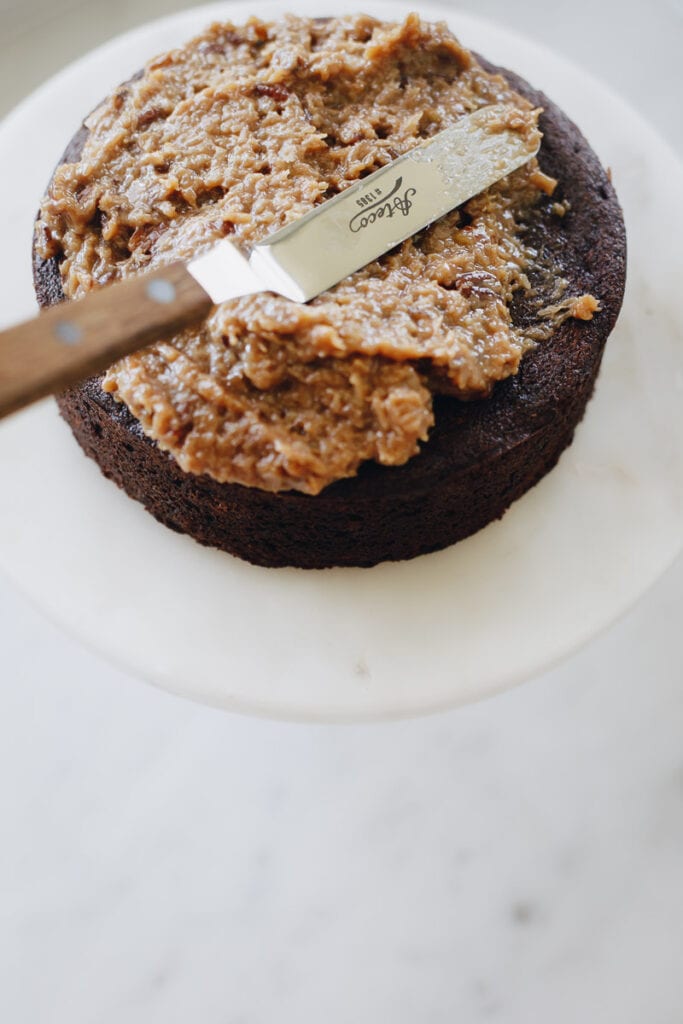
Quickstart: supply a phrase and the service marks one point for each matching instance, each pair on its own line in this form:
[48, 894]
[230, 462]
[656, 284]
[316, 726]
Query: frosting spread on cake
[237, 134]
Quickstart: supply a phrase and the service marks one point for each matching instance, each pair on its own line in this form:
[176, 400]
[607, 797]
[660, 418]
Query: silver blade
[372, 216]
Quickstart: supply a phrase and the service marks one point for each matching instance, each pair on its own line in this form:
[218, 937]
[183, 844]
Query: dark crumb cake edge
[481, 456]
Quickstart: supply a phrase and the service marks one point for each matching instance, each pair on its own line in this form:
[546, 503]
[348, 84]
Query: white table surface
[519, 861]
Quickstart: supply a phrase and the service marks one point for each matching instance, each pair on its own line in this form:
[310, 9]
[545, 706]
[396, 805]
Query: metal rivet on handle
[68, 332]
[161, 291]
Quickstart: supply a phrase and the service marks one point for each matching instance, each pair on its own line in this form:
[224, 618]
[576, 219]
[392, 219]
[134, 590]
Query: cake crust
[480, 456]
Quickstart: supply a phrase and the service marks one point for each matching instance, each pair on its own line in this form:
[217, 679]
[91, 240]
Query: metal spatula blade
[372, 216]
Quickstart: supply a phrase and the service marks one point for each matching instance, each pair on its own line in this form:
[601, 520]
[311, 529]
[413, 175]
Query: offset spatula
[74, 340]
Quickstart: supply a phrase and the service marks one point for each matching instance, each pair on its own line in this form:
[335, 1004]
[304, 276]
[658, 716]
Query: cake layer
[480, 456]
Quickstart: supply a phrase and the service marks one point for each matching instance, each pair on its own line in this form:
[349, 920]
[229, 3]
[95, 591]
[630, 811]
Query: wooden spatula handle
[77, 339]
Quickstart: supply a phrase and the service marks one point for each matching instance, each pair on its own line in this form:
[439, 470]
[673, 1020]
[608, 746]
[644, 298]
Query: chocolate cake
[464, 445]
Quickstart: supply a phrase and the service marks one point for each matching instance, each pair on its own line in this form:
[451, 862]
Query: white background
[517, 861]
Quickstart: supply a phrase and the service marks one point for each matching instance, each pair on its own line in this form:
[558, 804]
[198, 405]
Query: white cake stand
[400, 639]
